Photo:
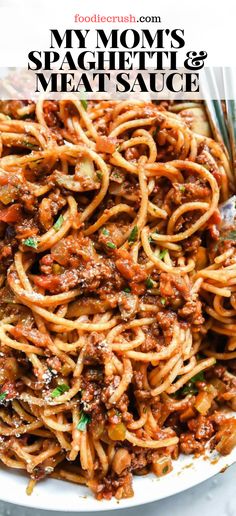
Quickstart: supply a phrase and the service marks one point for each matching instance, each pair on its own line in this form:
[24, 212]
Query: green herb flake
[150, 240]
[133, 235]
[60, 389]
[105, 232]
[58, 223]
[190, 387]
[165, 470]
[31, 242]
[3, 396]
[231, 235]
[111, 245]
[154, 134]
[163, 253]
[25, 116]
[84, 104]
[163, 301]
[99, 175]
[116, 175]
[200, 356]
[127, 290]
[199, 377]
[84, 420]
[149, 283]
[174, 395]
[182, 188]
[30, 145]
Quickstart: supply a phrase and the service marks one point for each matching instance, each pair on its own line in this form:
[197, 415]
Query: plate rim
[101, 506]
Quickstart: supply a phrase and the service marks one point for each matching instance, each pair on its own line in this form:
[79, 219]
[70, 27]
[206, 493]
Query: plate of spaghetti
[117, 302]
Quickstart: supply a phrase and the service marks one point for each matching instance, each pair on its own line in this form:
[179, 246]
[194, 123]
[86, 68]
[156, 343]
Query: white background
[209, 25]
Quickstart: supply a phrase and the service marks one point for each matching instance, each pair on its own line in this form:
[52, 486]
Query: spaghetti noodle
[118, 291]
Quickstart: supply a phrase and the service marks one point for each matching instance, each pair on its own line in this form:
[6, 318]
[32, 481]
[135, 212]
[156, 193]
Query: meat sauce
[109, 278]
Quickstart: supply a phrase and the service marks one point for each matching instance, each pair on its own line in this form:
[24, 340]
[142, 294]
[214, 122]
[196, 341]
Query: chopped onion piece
[227, 436]
[203, 402]
[162, 466]
[117, 432]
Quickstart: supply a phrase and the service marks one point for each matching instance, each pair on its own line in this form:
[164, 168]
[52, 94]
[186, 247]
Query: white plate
[62, 496]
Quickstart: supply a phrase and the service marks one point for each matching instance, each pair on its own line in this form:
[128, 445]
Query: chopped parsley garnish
[84, 104]
[149, 283]
[200, 356]
[163, 301]
[133, 235]
[3, 396]
[127, 290]
[116, 175]
[84, 420]
[190, 387]
[30, 145]
[199, 377]
[60, 389]
[150, 240]
[231, 235]
[31, 242]
[165, 469]
[163, 253]
[58, 223]
[105, 232]
[99, 175]
[111, 245]
[154, 133]
[182, 188]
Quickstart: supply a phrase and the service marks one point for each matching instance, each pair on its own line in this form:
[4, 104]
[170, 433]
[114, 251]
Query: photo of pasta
[117, 290]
